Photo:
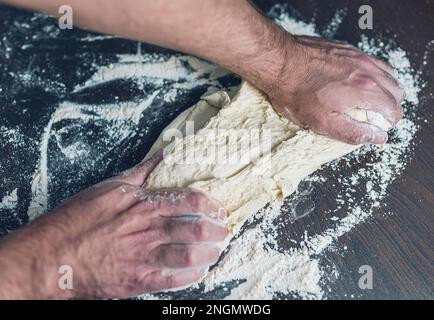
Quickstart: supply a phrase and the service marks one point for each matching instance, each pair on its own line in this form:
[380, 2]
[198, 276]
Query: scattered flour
[12, 136]
[297, 271]
[262, 268]
[10, 200]
[142, 68]
[187, 71]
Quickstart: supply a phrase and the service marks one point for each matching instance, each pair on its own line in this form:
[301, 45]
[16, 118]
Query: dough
[261, 155]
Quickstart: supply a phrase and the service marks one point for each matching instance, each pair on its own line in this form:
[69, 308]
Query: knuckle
[143, 243]
[189, 257]
[365, 82]
[126, 191]
[370, 84]
[364, 61]
[200, 231]
[137, 216]
[167, 230]
[170, 282]
[137, 253]
[197, 199]
[356, 137]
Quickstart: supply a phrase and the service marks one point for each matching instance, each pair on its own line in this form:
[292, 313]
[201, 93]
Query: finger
[181, 202]
[386, 105]
[392, 86]
[138, 175]
[384, 78]
[183, 256]
[171, 279]
[191, 230]
[383, 66]
[153, 206]
[371, 96]
[350, 131]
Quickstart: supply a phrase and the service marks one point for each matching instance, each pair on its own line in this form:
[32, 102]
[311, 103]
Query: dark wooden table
[398, 247]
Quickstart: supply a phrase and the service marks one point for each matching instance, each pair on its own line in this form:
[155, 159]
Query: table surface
[398, 247]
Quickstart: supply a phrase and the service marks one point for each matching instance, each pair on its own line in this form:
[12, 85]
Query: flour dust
[259, 263]
[256, 262]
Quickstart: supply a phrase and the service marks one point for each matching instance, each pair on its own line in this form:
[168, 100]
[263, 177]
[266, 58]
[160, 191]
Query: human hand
[120, 240]
[323, 80]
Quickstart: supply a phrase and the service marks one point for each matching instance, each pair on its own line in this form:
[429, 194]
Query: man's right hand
[119, 240]
[321, 81]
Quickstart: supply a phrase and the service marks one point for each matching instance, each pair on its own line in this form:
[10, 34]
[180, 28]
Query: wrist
[54, 263]
[276, 54]
[29, 266]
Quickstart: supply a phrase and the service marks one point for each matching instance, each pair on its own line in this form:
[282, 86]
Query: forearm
[27, 267]
[231, 33]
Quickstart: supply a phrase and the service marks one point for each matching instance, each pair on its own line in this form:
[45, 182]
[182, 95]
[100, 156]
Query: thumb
[354, 132]
[137, 175]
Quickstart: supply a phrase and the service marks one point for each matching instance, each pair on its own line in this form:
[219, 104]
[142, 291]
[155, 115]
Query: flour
[398, 59]
[268, 271]
[330, 31]
[254, 260]
[261, 266]
[122, 115]
[186, 72]
[9, 201]
[12, 136]
[143, 67]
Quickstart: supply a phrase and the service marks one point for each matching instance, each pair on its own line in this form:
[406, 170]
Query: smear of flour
[262, 268]
[188, 72]
[123, 113]
[9, 201]
[142, 68]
